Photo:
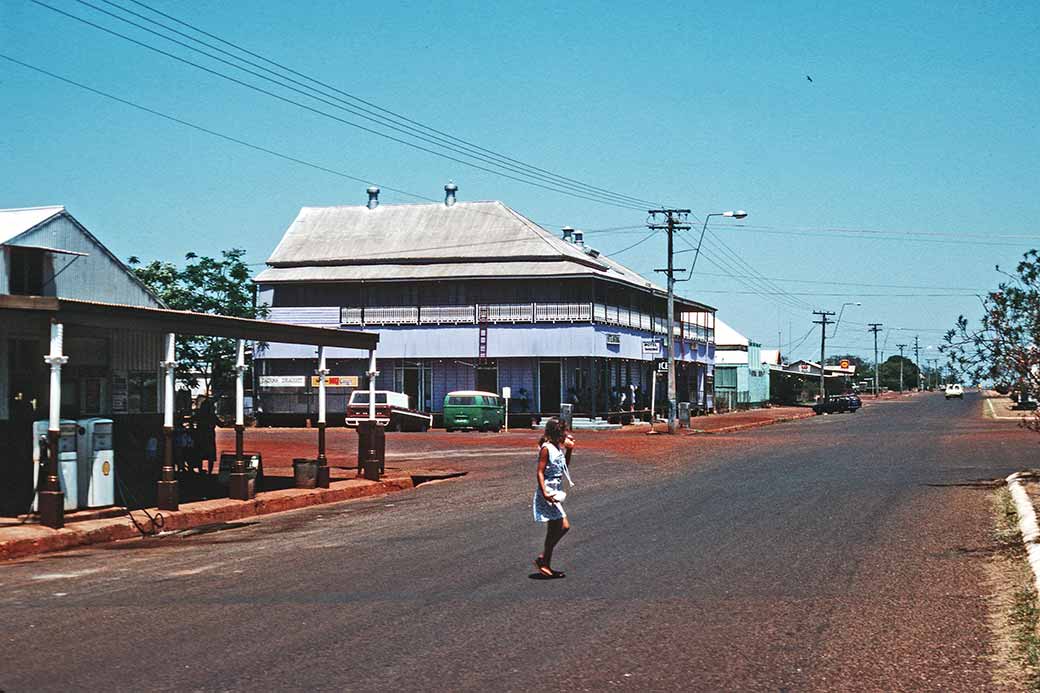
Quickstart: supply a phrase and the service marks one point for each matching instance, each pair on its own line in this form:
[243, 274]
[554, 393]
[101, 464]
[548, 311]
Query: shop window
[143, 392]
[25, 277]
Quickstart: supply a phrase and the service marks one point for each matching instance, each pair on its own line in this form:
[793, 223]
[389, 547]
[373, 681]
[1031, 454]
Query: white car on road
[954, 390]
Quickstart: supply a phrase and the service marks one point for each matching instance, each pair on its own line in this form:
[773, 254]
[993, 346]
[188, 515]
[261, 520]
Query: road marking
[192, 571]
[65, 576]
[994, 415]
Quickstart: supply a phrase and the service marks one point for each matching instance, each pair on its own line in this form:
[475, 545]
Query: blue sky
[908, 161]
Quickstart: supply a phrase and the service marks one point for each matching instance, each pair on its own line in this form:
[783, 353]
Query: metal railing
[451, 315]
[520, 313]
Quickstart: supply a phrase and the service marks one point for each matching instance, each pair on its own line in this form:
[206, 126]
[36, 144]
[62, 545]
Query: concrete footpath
[18, 540]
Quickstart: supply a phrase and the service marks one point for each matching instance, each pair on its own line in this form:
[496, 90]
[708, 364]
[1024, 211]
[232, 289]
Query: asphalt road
[838, 553]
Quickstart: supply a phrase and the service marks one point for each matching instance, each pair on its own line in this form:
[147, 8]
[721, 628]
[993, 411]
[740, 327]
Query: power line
[843, 235]
[641, 241]
[590, 197]
[358, 99]
[211, 132]
[357, 111]
[863, 284]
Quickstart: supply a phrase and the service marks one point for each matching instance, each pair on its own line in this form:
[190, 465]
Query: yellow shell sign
[106, 467]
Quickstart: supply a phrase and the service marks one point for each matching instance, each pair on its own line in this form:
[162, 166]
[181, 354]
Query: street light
[840, 312]
[672, 404]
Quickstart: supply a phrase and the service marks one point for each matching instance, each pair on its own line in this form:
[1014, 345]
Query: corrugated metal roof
[467, 240]
[15, 222]
[421, 232]
[727, 336]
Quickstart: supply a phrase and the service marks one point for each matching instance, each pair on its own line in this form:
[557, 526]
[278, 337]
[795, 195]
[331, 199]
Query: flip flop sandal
[543, 569]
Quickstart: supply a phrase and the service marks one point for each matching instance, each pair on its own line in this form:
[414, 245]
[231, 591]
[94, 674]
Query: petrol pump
[67, 461]
[97, 470]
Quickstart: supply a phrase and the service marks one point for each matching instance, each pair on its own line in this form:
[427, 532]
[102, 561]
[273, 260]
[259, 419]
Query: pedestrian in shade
[554, 454]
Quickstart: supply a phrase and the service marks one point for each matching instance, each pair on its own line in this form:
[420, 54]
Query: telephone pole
[875, 327]
[901, 347]
[917, 360]
[674, 220]
[823, 322]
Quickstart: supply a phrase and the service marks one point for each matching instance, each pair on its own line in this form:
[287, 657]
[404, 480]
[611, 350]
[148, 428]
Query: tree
[1005, 349]
[888, 373]
[203, 285]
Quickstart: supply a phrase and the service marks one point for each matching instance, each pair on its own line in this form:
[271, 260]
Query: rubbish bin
[567, 415]
[371, 450]
[684, 414]
[305, 473]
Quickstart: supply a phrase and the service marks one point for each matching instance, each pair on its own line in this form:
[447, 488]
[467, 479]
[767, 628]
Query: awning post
[372, 373]
[51, 501]
[168, 495]
[323, 465]
[239, 479]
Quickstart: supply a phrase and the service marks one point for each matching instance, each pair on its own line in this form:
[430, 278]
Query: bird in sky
[808, 78]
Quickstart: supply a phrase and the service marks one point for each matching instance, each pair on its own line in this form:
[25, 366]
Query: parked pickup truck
[392, 411]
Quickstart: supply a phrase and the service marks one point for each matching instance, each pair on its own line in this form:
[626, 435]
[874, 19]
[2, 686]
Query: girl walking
[554, 455]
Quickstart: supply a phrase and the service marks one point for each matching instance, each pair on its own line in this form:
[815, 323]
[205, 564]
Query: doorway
[549, 387]
[487, 378]
[416, 382]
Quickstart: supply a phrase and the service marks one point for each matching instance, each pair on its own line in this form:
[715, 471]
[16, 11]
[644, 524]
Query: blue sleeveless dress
[555, 472]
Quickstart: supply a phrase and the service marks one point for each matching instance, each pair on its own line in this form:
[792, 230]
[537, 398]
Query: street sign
[507, 392]
[283, 380]
[336, 381]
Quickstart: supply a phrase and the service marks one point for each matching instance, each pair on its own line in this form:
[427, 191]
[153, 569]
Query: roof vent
[568, 234]
[591, 252]
[579, 238]
[373, 197]
[449, 193]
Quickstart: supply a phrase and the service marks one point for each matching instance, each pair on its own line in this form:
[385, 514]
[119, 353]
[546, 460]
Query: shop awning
[112, 315]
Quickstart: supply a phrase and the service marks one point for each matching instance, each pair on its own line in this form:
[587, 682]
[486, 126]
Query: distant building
[741, 376]
[473, 295]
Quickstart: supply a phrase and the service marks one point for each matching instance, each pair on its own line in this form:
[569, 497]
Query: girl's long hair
[555, 431]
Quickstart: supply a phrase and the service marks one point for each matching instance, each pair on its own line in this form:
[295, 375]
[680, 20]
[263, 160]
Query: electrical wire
[360, 100]
[318, 111]
[366, 114]
[641, 241]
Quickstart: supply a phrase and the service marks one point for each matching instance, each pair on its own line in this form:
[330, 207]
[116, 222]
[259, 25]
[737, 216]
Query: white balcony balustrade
[447, 315]
[514, 313]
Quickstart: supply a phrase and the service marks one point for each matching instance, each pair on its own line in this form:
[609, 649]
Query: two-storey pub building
[472, 295]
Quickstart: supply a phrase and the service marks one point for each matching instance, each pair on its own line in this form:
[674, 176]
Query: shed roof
[15, 222]
[431, 241]
[727, 336]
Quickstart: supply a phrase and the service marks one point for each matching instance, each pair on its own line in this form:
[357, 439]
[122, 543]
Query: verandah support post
[51, 502]
[323, 463]
[168, 494]
[239, 480]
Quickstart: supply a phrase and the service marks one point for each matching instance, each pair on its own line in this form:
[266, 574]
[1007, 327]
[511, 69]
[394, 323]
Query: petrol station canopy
[114, 316]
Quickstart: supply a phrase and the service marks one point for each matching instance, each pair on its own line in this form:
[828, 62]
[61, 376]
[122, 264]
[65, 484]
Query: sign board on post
[283, 380]
[506, 392]
[336, 381]
[844, 363]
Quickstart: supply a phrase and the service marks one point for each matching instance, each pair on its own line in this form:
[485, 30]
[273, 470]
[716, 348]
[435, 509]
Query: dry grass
[1013, 607]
